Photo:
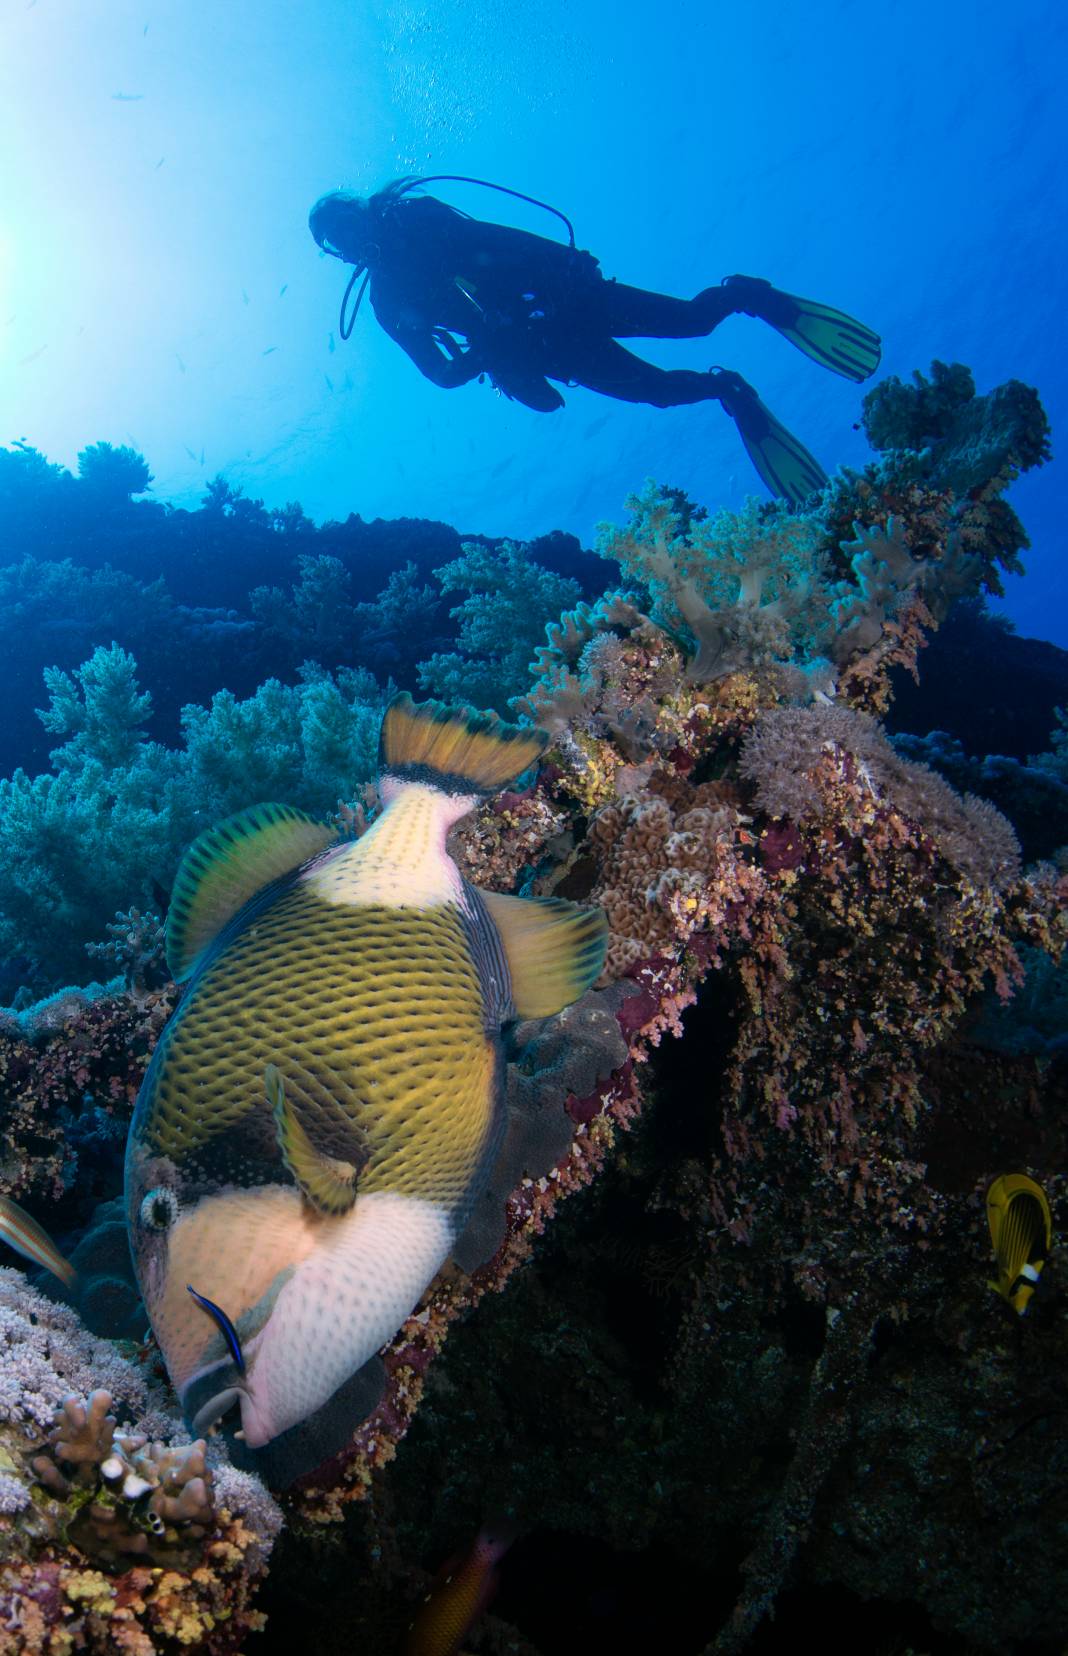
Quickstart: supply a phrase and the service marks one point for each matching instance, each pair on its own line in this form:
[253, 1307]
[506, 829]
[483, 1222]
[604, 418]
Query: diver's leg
[637, 313]
[784, 464]
[605, 366]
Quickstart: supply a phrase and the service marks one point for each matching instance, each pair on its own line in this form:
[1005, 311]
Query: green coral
[317, 616]
[106, 827]
[501, 623]
[99, 707]
[971, 439]
[737, 590]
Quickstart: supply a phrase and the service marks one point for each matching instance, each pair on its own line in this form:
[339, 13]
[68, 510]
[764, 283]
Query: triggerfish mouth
[326, 1106]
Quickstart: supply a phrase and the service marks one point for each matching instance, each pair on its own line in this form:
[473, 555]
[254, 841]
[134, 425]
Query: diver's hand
[452, 347]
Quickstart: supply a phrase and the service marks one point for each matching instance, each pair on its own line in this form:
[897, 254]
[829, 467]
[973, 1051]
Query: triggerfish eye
[225, 1324]
[159, 1209]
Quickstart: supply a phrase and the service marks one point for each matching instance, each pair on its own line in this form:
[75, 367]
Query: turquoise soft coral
[106, 826]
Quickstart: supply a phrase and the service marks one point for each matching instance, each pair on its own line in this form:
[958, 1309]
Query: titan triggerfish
[325, 1107]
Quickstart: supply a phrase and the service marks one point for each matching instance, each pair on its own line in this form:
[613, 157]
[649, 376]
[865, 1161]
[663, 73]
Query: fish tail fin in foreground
[454, 749]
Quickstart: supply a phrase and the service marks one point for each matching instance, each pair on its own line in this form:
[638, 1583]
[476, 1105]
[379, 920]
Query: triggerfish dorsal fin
[1021, 1232]
[554, 949]
[226, 866]
[455, 749]
[327, 1182]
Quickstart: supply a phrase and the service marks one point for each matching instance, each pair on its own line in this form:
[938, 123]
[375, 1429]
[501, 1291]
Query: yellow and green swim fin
[828, 336]
[783, 463]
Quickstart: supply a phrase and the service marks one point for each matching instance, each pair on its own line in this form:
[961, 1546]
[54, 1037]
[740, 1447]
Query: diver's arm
[447, 368]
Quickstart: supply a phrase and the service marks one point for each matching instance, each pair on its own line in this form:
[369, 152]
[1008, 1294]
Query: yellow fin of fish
[226, 866]
[554, 949]
[1021, 1233]
[327, 1182]
[455, 748]
[27, 1238]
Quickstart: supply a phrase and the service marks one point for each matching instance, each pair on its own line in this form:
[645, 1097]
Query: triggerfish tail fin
[225, 867]
[1021, 1232]
[27, 1238]
[460, 1594]
[455, 749]
[554, 950]
[781, 460]
[327, 1182]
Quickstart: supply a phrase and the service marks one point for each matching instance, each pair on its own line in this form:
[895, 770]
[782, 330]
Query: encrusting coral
[113, 1538]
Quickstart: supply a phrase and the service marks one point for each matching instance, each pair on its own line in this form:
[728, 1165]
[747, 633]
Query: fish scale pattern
[375, 1019]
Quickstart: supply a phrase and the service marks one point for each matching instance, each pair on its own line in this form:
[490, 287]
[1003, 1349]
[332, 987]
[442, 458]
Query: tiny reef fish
[1021, 1232]
[459, 1597]
[224, 1323]
[27, 1238]
[325, 1111]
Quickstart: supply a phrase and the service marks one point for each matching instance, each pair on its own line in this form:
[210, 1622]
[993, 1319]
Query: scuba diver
[468, 299]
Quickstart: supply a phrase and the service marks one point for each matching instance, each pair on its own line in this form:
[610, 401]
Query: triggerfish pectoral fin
[327, 1182]
[554, 949]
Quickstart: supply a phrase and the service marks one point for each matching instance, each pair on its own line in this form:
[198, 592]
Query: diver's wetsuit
[531, 310]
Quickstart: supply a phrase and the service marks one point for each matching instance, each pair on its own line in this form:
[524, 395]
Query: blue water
[158, 285]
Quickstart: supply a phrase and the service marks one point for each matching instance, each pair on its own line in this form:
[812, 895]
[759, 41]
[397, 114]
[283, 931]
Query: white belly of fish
[341, 1305]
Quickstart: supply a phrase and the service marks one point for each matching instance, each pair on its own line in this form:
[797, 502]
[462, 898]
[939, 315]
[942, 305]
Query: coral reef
[107, 826]
[510, 600]
[113, 1539]
[1033, 795]
[761, 1340]
[70, 1068]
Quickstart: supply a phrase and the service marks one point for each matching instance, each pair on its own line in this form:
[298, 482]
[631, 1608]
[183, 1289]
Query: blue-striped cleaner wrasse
[1021, 1233]
[326, 1105]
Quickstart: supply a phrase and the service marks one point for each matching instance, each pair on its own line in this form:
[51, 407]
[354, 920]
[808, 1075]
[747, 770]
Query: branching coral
[970, 439]
[134, 1498]
[510, 600]
[316, 618]
[106, 828]
[112, 1538]
[857, 581]
[786, 755]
